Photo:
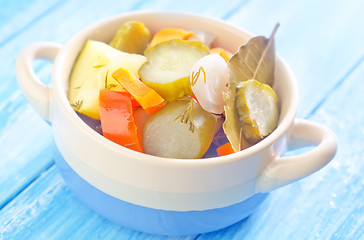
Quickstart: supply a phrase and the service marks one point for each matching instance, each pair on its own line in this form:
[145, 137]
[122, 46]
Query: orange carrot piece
[148, 99]
[167, 34]
[134, 102]
[223, 53]
[225, 149]
[117, 119]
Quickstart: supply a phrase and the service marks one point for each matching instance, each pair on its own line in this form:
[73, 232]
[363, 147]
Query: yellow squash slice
[92, 72]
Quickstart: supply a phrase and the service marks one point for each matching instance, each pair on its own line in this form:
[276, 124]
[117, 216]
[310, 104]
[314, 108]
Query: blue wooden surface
[321, 40]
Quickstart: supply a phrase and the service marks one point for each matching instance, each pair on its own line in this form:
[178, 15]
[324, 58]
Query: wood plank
[328, 204]
[15, 17]
[47, 209]
[319, 40]
[212, 8]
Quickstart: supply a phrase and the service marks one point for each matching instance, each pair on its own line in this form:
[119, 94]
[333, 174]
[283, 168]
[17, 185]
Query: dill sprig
[109, 86]
[186, 117]
[107, 73]
[77, 105]
[196, 75]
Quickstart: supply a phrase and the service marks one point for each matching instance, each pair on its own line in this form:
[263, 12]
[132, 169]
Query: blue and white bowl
[161, 195]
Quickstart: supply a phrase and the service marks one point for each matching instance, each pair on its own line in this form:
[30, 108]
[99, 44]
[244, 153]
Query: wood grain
[48, 210]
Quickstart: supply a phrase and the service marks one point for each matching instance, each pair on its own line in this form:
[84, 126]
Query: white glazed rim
[60, 78]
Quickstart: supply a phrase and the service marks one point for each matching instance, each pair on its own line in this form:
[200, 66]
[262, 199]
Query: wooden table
[323, 43]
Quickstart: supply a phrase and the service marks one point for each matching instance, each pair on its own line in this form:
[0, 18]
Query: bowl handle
[284, 170]
[38, 94]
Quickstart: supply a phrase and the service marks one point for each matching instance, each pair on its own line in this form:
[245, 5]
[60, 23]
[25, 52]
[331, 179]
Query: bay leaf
[254, 60]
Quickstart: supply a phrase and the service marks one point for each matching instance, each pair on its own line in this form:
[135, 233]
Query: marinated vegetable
[167, 34]
[92, 72]
[257, 109]
[117, 119]
[181, 129]
[132, 37]
[148, 99]
[209, 77]
[225, 149]
[168, 68]
[170, 95]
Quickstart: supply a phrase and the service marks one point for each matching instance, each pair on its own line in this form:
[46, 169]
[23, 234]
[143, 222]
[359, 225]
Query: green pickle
[181, 129]
[257, 108]
[168, 68]
[132, 37]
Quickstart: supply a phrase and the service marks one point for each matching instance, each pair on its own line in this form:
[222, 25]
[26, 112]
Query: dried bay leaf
[254, 60]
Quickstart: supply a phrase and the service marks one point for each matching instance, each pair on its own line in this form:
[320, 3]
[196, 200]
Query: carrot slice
[169, 34]
[223, 53]
[134, 102]
[117, 119]
[148, 99]
[225, 149]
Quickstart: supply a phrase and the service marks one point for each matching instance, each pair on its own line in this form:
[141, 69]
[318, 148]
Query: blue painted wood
[322, 41]
[48, 210]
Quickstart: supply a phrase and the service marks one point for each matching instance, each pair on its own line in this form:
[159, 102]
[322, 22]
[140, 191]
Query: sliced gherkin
[168, 67]
[181, 129]
[257, 107]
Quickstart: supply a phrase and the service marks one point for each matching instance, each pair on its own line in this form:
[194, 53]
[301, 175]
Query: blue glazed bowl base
[153, 220]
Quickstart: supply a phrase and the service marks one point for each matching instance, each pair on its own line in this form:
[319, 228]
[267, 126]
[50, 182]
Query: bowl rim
[60, 97]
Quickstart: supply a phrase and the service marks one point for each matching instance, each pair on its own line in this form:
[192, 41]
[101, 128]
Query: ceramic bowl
[161, 195]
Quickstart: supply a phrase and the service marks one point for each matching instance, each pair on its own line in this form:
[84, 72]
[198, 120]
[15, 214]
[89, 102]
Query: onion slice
[209, 77]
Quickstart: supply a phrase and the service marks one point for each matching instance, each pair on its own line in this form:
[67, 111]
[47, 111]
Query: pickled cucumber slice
[132, 37]
[168, 67]
[257, 108]
[92, 72]
[168, 132]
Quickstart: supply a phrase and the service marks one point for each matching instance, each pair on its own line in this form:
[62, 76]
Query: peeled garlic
[209, 77]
